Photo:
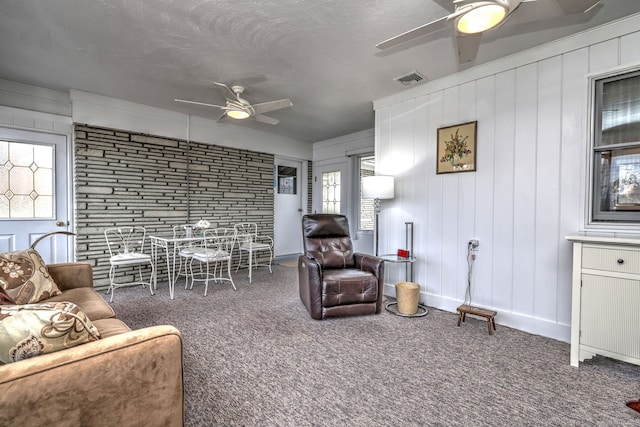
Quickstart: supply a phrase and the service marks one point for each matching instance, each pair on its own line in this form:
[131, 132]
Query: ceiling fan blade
[423, 30]
[467, 46]
[265, 107]
[224, 90]
[266, 119]
[199, 103]
[570, 7]
[222, 116]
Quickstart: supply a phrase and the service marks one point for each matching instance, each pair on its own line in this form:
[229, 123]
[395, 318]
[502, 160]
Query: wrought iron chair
[126, 249]
[186, 249]
[250, 242]
[217, 250]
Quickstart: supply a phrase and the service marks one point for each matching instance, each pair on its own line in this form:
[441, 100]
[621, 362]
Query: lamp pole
[376, 209]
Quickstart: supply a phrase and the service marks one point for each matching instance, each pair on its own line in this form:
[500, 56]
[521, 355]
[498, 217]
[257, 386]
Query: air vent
[411, 78]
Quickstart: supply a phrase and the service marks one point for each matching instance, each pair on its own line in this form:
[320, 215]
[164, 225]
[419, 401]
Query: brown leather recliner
[334, 281]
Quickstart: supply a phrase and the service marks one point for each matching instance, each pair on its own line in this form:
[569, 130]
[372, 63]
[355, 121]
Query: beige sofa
[125, 378]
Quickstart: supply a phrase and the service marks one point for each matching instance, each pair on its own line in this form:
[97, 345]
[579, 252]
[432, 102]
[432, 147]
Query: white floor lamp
[377, 187]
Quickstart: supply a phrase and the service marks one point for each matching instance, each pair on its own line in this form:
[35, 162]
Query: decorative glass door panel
[26, 180]
[331, 192]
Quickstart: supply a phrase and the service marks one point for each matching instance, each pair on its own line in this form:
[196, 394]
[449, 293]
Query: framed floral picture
[457, 148]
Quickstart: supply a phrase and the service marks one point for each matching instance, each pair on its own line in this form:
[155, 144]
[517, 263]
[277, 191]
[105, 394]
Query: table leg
[154, 259]
[169, 272]
[250, 262]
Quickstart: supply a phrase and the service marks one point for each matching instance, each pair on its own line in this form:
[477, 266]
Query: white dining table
[171, 247]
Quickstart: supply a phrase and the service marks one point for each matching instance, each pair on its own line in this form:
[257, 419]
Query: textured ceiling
[319, 53]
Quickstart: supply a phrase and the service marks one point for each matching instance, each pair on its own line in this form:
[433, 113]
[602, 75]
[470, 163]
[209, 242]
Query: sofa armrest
[134, 378]
[71, 275]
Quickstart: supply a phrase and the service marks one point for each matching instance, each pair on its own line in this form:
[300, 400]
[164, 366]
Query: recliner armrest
[370, 263]
[310, 285]
[375, 266]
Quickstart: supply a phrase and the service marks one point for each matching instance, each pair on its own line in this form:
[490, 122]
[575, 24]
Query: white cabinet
[605, 310]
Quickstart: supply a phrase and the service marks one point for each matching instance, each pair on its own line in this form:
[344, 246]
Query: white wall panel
[524, 190]
[503, 212]
[432, 193]
[400, 208]
[34, 98]
[449, 203]
[466, 192]
[528, 191]
[547, 187]
[423, 163]
[629, 52]
[604, 56]
[573, 160]
[482, 281]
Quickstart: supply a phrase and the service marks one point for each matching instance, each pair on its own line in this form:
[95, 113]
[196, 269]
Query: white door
[330, 188]
[288, 208]
[34, 192]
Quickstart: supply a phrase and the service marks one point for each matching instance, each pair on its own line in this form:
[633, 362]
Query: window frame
[598, 217]
[357, 186]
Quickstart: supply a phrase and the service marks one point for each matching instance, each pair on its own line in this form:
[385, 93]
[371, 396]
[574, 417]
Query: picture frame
[456, 148]
[627, 184]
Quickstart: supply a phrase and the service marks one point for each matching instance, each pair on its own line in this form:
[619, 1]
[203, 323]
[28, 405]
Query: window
[366, 167]
[331, 192]
[26, 180]
[287, 180]
[616, 149]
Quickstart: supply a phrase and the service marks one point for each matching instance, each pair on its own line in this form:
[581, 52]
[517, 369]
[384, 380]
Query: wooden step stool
[490, 315]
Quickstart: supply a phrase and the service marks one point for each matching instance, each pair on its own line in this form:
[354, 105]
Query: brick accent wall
[125, 178]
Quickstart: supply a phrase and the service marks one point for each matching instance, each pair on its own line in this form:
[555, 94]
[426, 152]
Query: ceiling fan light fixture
[237, 114]
[481, 18]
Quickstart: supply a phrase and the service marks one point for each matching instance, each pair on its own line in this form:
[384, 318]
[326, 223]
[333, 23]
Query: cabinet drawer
[611, 259]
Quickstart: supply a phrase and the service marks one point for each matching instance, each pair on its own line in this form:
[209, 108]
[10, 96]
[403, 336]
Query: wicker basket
[408, 296]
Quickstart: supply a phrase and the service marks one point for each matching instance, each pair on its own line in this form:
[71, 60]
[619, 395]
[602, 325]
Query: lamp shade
[377, 187]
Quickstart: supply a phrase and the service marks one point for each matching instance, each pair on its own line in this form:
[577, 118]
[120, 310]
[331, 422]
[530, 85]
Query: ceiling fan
[239, 108]
[472, 17]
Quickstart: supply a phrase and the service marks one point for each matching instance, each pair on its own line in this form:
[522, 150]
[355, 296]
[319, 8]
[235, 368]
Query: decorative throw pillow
[5, 298]
[24, 275]
[32, 329]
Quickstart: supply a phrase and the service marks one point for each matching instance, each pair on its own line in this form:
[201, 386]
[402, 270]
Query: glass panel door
[34, 192]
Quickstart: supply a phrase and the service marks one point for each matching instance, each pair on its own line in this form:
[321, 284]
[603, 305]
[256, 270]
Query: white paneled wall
[529, 189]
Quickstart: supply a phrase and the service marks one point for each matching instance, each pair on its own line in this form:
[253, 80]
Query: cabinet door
[610, 314]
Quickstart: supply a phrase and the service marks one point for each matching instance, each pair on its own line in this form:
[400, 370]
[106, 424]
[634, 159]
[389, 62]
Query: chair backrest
[180, 231]
[246, 232]
[220, 239]
[326, 238]
[221, 232]
[125, 240]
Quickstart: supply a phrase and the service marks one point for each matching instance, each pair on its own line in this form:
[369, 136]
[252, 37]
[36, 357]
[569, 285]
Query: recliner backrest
[326, 238]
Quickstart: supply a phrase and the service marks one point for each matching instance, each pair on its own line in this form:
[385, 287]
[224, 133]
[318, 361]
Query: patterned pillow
[32, 329]
[5, 298]
[24, 275]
